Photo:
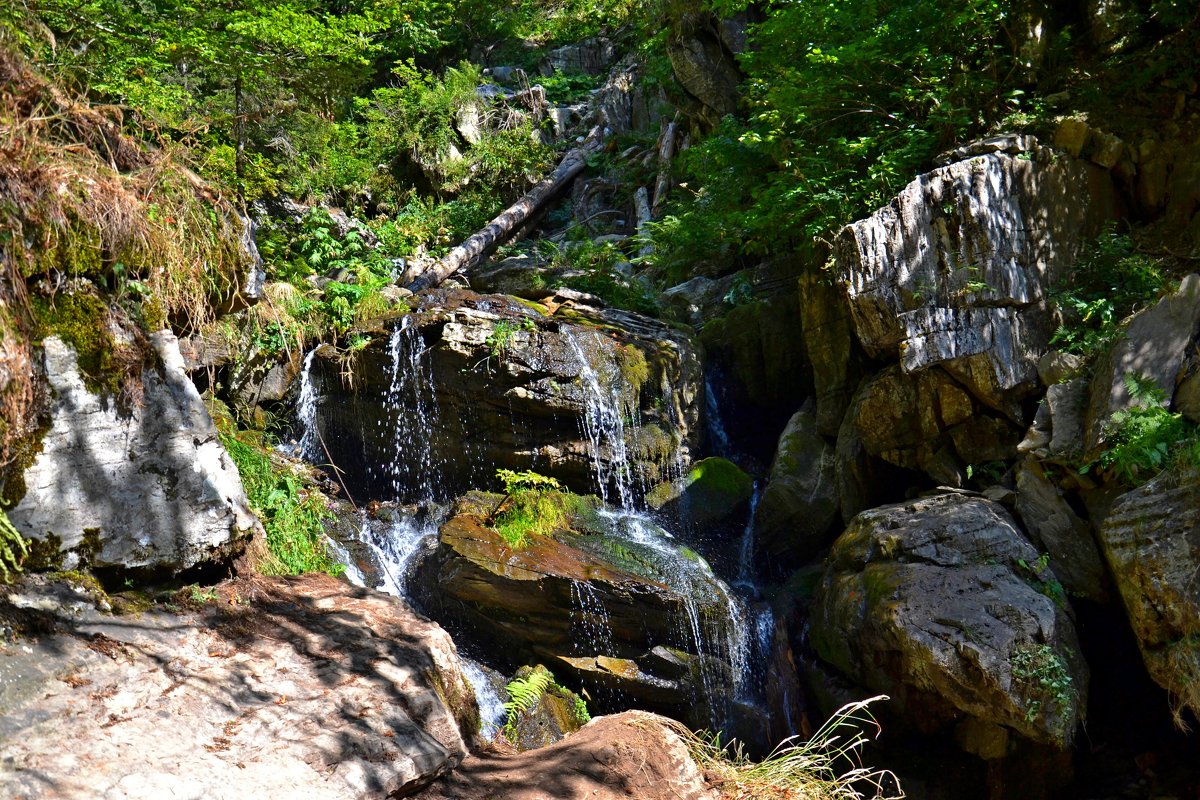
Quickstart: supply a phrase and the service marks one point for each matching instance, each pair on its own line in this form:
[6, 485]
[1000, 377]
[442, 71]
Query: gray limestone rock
[153, 489]
[927, 601]
[955, 270]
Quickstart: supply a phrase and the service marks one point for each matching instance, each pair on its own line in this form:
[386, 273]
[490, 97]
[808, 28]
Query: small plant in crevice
[13, 549]
[1142, 440]
[1044, 580]
[1045, 678]
[523, 694]
[534, 505]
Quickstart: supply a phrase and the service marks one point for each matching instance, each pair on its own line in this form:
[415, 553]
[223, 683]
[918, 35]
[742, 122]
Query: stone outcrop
[955, 270]
[704, 66]
[931, 603]
[799, 506]
[300, 688]
[1151, 539]
[928, 422]
[613, 610]
[633, 754]
[469, 383]
[153, 489]
[1059, 532]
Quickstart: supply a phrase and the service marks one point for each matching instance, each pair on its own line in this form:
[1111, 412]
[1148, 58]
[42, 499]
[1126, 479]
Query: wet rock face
[1151, 540]
[955, 270]
[929, 602]
[799, 507]
[302, 688]
[154, 489]
[601, 608]
[480, 382]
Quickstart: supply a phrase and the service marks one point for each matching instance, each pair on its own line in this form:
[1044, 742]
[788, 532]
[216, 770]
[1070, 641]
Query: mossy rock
[714, 489]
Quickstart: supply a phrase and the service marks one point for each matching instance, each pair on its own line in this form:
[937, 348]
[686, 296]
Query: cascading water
[745, 566]
[410, 413]
[491, 706]
[306, 411]
[718, 439]
[604, 424]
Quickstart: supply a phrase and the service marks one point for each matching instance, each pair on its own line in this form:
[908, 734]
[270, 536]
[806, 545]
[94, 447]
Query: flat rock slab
[611, 758]
[263, 688]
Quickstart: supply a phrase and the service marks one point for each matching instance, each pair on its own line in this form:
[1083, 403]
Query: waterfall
[718, 438]
[745, 566]
[591, 632]
[410, 413]
[724, 637]
[604, 424]
[306, 412]
[491, 706]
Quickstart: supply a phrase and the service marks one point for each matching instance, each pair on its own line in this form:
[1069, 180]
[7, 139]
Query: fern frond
[13, 549]
[524, 694]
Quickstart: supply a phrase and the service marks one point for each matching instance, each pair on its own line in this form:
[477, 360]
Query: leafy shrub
[1108, 282]
[565, 88]
[1045, 678]
[1142, 440]
[596, 264]
[292, 514]
[536, 505]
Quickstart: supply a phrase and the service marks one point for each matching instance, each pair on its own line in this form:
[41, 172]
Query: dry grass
[824, 767]
[78, 194]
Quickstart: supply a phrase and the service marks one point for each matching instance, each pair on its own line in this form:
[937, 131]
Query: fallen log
[481, 244]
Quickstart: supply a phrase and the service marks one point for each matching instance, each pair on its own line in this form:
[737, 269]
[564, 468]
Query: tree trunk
[482, 243]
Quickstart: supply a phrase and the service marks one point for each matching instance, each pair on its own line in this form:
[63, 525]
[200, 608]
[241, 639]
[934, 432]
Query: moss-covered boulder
[620, 609]
[713, 489]
[937, 603]
[543, 711]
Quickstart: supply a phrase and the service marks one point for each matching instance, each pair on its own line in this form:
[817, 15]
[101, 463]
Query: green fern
[524, 694]
[13, 549]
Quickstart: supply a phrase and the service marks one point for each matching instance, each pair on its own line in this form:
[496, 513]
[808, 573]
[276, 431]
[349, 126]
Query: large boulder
[153, 488]
[799, 507]
[1151, 539]
[934, 602]
[837, 361]
[704, 66]
[956, 269]
[621, 609]
[928, 422]
[267, 687]
[469, 383]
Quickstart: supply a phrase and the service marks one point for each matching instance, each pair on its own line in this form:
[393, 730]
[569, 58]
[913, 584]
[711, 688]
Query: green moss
[131, 602]
[81, 580]
[720, 476]
[539, 513]
[44, 553]
[76, 250]
[81, 320]
[631, 361]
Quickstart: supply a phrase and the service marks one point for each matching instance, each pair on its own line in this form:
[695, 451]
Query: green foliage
[1142, 440]
[1045, 678]
[580, 709]
[13, 549]
[292, 514]
[1044, 580]
[566, 88]
[1108, 282]
[535, 505]
[501, 337]
[846, 102]
[524, 693]
[592, 268]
